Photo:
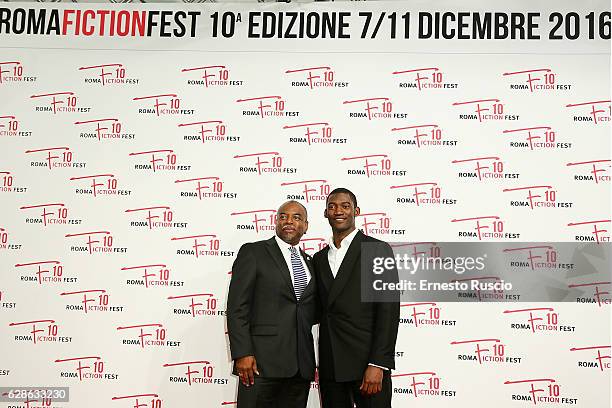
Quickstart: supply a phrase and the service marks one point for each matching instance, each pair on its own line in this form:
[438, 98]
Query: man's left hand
[372, 381]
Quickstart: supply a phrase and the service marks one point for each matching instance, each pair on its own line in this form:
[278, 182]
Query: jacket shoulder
[321, 253]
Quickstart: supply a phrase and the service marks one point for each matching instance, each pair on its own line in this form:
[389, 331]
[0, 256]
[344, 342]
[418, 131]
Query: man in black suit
[271, 308]
[356, 338]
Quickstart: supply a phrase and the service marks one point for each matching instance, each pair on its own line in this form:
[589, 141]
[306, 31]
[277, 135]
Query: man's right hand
[247, 369]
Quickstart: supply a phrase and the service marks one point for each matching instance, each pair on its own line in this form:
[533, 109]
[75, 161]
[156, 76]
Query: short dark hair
[341, 190]
[298, 203]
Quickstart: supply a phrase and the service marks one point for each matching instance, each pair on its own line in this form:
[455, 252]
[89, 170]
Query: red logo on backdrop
[163, 274]
[265, 106]
[200, 304]
[53, 268]
[536, 79]
[210, 130]
[213, 75]
[603, 353]
[99, 296]
[167, 161]
[106, 128]
[263, 220]
[485, 294]
[316, 76]
[63, 157]
[429, 311]
[597, 235]
[374, 165]
[163, 104]
[3, 238]
[594, 111]
[9, 125]
[194, 376]
[108, 73]
[86, 371]
[159, 216]
[485, 110]
[59, 102]
[597, 294]
[209, 241]
[549, 320]
[495, 168]
[60, 217]
[37, 336]
[10, 71]
[420, 195]
[482, 224]
[315, 133]
[311, 245]
[424, 135]
[534, 256]
[424, 78]
[375, 223]
[266, 162]
[533, 135]
[596, 169]
[375, 108]
[213, 184]
[107, 180]
[546, 198]
[156, 339]
[314, 190]
[550, 391]
[104, 241]
[154, 402]
[494, 354]
[423, 383]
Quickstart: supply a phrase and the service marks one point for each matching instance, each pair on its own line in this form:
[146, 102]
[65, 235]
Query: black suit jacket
[353, 333]
[264, 318]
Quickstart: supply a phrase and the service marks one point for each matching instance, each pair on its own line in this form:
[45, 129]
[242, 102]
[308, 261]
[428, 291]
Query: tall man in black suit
[271, 308]
[356, 338]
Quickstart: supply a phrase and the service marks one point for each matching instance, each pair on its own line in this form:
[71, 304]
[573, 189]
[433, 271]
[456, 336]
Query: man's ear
[325, 213]
[306, 226]
[357, 211]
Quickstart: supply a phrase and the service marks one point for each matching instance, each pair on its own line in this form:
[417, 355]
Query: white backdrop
[149, 252]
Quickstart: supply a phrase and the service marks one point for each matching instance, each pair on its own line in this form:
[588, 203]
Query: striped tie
[299, 274]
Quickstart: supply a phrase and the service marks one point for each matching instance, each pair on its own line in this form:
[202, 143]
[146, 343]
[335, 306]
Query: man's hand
[372, 381]
[247, 368]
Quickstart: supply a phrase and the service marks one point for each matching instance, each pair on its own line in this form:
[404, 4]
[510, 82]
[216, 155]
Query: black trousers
[345, 394]
[274, 393]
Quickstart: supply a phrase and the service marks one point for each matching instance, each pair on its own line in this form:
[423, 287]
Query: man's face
[291, 223]
[341, 212]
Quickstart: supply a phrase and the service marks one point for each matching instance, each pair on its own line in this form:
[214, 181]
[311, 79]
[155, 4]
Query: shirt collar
[283, 245]
[345, 243]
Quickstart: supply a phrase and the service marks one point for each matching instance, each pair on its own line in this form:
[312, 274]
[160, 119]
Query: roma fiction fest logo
[537, 320]
[152, 275]
[600, 292]
[256, 220]
[211, 76]
[535, 138]
[380, 108]
[598, 229]
[55, 158]
[372, 165]
[313, 133]
[314, 78]
[484, 110]
[421, 384]
[423, 136]
[12, 72]
[147, 400]
[58, 103]
[90, 301]
[595, 112]
[538, 196]
[484, 352]
[199, 372]
[107, 75]
[270, 106]
[150, 335]
[103, 129]
[44, 273]
[308, 190]
[377, 223]
[484, 168]
[95, 242]
[208, 131]
[104, 184]
[6, 241]
[7, 181]
[10, 126]
[264, 163]
[597, 357]
[540, 391]
[157, 217]
[421, 79]
[596, 171]
[40, 332]
[484, 288]
[539, 80]
[159, 160]
[205, 188]
[85, 368]
[535, 257]
[4, 304]
[423, 314]
[158, 105]
[49, 214]
[201, 246]
[424, 194]
[196, 305]
[313, 245]
[484, 228]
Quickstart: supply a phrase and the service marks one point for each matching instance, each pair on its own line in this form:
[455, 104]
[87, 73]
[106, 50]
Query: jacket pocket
[264, 330]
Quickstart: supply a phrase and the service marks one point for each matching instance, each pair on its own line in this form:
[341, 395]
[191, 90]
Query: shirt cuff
[374, 365]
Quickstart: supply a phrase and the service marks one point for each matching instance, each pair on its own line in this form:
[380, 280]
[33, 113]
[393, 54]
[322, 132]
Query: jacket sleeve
[242, 286]
[382, 352]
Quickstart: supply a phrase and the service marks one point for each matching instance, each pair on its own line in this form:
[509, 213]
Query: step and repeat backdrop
[140, 147]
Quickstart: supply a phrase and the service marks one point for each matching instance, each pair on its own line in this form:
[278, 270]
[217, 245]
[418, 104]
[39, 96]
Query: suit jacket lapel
[278, 258]
[308, 261]
[346, 268]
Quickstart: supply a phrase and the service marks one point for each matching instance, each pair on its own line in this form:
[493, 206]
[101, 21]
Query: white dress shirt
[335, 256]
[284, 247]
